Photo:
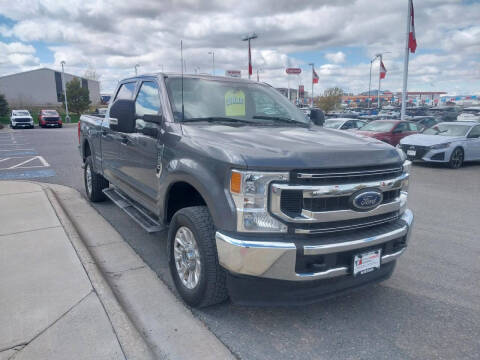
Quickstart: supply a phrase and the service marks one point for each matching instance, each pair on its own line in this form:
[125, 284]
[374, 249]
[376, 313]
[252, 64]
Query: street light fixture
[213, 61]
[67, 117]
[249, 38]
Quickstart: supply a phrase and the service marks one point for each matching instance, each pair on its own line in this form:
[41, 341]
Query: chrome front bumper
[276, 260]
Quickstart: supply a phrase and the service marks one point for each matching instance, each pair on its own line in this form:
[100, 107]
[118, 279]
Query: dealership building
[42, 87]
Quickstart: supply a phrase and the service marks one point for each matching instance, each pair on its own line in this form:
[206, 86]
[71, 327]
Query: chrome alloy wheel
[457, 158]
[187, 257]
[88, 178]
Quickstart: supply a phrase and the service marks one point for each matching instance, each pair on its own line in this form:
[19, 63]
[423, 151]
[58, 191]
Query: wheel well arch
[87, 151]
[181, 194]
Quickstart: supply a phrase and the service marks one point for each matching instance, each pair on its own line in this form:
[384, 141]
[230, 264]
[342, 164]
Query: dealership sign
[294, 71]
[233, 73]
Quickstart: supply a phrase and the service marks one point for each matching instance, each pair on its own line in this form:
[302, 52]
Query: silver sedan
[451, 143]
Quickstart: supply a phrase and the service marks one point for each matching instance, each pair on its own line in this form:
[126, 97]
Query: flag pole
[379, 79]
[405, 63]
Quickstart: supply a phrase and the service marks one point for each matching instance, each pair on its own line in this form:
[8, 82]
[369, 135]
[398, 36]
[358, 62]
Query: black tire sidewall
[451, 157]
[191, 296]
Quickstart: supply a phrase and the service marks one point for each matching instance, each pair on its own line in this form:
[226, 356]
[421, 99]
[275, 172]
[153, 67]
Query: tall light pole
[67, 117]
[213, 61]
[311, 101]
[136, 71]
[249, 38]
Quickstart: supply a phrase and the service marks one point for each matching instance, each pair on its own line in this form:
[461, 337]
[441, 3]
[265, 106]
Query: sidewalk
[71, 288]
[49, 308]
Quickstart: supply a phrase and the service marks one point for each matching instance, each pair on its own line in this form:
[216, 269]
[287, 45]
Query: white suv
[21, 118]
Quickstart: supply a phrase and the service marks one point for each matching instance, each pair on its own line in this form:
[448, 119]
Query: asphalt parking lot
[429, 309]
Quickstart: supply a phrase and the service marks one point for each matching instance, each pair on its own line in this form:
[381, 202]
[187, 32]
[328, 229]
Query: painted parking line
[17, 162]
[26, 174]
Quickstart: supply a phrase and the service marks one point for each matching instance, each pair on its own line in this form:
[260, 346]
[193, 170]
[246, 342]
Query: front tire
[94, 183]
[193, 258]
[456, 159]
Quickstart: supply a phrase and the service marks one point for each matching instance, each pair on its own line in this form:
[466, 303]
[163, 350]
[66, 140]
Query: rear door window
[126, 91]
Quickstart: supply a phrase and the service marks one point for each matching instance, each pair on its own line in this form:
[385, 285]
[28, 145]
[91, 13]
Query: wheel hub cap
[88, 175]
[187, 257]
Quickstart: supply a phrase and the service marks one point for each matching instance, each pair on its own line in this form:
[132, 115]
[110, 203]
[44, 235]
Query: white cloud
[337, 57]
[112, 36]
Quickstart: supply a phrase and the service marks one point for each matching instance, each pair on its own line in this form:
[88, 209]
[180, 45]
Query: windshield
[448, 130]
[220, 101]
[50, 112]
[379, 126]
[21, 113]
[333, 124]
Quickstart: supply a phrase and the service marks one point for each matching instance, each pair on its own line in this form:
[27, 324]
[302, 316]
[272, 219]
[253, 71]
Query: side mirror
[317, 116]
[157, 119]
[122, 116]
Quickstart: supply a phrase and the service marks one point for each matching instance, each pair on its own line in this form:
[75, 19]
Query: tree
[3, 106]
[77, 96]
[330, 99]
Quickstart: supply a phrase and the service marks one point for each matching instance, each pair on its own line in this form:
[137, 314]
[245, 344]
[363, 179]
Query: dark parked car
[260, 204]
[389, 131]
[424, 122]
[445, 113]
[48, 118]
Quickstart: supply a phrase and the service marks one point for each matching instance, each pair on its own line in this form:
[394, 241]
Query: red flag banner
[383, 70]
[250, 70]
[412, 41]
[314, 76]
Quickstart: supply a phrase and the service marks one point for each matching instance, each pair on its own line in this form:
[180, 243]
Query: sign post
[292, 71]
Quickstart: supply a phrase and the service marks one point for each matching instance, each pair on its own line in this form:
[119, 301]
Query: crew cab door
[113, 142]
[144, 145]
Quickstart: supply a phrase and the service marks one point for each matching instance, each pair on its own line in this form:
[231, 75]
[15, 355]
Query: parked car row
[46, 118]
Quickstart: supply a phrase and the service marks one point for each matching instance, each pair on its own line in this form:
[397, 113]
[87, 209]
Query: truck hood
[428, 140]
[292, 147]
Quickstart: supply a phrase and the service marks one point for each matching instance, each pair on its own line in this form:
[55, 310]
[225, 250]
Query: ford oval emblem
[367, 199]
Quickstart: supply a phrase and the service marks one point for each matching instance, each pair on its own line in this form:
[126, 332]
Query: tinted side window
[475, 131]
[402, 127]
[148, 100]
[126, 91]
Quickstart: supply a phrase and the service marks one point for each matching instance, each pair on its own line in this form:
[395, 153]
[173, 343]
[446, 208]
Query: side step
[144, 220]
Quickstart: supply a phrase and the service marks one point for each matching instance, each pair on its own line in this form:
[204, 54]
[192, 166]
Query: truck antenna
[181, 59]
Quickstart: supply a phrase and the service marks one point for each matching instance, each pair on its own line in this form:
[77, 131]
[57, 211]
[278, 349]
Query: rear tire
[209, 287]
[94, 183]
[456, 159]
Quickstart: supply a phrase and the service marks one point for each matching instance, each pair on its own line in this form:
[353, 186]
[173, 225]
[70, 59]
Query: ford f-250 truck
[260, 204]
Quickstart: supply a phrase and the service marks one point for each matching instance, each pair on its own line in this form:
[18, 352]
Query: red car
[389, 131]
[49, 118]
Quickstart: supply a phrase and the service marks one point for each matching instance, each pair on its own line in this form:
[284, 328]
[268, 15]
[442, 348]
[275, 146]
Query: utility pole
[136, 71]
[213, 61]
[248, 38]
[370, 81]
[67, 117]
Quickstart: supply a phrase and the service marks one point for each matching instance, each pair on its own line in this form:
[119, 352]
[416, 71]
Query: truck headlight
[249, 191]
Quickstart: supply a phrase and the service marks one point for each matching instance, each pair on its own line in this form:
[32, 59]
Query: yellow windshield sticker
[234, 103]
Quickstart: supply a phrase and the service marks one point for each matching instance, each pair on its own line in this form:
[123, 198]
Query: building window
[59, 87]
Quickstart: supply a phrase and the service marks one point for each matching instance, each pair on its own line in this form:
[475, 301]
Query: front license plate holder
[366, 262]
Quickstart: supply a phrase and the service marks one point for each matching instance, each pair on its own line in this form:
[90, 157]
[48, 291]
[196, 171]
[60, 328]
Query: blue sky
[339, 37]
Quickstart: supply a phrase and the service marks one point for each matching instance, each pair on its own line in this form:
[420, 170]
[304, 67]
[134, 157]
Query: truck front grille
[322, 202]
[19, 120]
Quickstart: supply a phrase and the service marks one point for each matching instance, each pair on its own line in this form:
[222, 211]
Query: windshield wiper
[217, 119]
[278, 118]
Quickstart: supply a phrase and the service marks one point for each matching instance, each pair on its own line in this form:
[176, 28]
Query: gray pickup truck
[260, 204]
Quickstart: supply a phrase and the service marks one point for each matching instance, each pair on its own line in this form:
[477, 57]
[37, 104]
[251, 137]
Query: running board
[143, 219]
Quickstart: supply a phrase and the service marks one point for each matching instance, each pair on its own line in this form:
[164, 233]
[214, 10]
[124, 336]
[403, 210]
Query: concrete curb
[165, 323]
[132, 343]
